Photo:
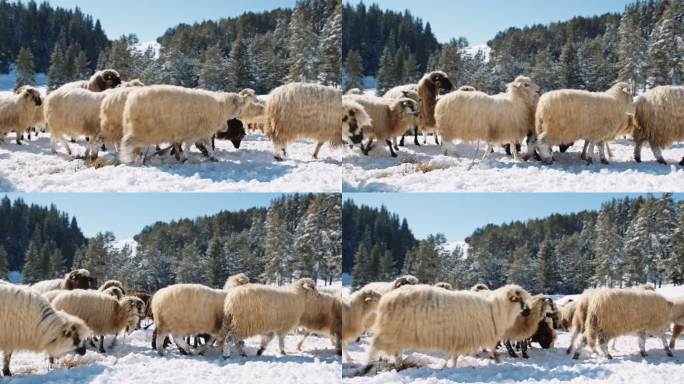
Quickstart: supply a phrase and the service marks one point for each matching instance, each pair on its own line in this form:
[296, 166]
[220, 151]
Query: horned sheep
[407, 319]
[104, 314]
[98, 82]
[567, 115]
[257, 309]
[77, 279]
[355, 315]
[167, 113]
[659, 120]
[505, 118]
[444, 285]
[18, 110]
[31, 324]
[524, 327]
[390, 118]
[112, 283]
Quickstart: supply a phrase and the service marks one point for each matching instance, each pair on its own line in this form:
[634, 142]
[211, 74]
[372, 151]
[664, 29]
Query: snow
[120, 244]
[474, 49]
[425, 169]
[32, 167]
[14, 277]
[551, 365]
[145, 45]
[133, 361]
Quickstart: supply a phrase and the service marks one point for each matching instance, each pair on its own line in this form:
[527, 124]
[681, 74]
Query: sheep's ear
[68, 331]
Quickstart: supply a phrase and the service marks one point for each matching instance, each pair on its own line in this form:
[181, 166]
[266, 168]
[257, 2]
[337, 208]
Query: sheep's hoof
[643, 353]
[226, 357]
[682, 161]
[243, 354]
[102, 350]
[394, 155]
[278, 158]
[661, 161]
[213, 159]
[396, 148]
[525, 356]
[512, 354]
[669, 353]
[604, 161]
[567, 351]
[637, 159]
[609, 356]
[282, 353]
[575, 356]
[259, 352]
[589, 161]
[6, 372]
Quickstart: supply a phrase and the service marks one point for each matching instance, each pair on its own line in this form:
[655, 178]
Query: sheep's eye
[527, 85]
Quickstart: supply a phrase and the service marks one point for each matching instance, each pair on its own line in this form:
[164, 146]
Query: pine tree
[57, 264]
[385, 80]
[331, 48]
[360, 273]
[631, 49]
[58, 73]
[353, 69]
[4, 265]
[386, 270]
[26, 73]
[239, 74]
[567, 254]
[278, 249]
[216, 268]
[547, 274]
[44, 261]
[666, 52]
[608, 251]
[520, 267]
[178, 68]
[411, 70]
[569, 68]
[676, 271]
[545, 71]
[398, 69]
[213, 75]
[31, 272]
[81, 66]
[450, 60]
[302, 48]
[374, 262]
[189, 268]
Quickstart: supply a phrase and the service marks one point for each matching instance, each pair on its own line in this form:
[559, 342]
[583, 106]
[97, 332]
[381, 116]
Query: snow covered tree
[635, 269]
[302, 47]
[547, 273]
[58, 73]
[387, 269]
[178, 68]
[676, 271]
[216, 266]
[4, 265]
[81, 68]
[31, 272]
[278, 248]
[450, 60]
[385, 79]
[520, 269]
[190, 268]
[361, 271]
[632, 49]
[331, 49]
[569, 68]
[412, 71]
[26, 74]
[608, 251]
[545, 71]
[666, 52]
[57, 264]
[239, 74]
[353, 70]
[213, 75]
[567, 255]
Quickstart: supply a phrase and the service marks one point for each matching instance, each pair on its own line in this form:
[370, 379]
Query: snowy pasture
[550, 365]
[133, 361]
[424, 168]
[33, 168]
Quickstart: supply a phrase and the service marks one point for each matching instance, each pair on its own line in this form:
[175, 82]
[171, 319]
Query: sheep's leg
[507, 148]
[515, 148]
[101, 349]
[447, 146]
[590, 153]
[609, 151]
[681, 162]
[160, 343]
[368, 147]
[415, 136]
[637, 151]
[389, 144]
[53, 145]
[425, 135]
[265, 340]
[642, 344]
[345, 353]
[488, 151]
[180, 342]
[301, 341]
[371, 361]
[578, 348]
[658, 154]
[583, 156]
[398, 361]
[277, 150]
[317, 149]
[602, 152]
[451, 361]
[401, 141]
[394, 143]
[603, 344]
[205, 347]
[436, 138]
[676, 331]
[493, 354]
[509, 348]
[573, 338]
[281, 344]
[6, 363]
[666, 347]
[523, 349]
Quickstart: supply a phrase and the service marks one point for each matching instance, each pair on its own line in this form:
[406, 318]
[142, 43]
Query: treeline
[41, 27]
[296, 236]
[642, 46]
[627, 242]
[29, 233]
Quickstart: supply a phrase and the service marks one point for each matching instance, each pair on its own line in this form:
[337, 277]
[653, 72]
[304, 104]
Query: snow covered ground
[548, 366]
[425, 169]
[33, 168]
[134, 361]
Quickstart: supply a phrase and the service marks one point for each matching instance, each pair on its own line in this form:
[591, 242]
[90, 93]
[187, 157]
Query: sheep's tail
[472, 161]
[126, 149]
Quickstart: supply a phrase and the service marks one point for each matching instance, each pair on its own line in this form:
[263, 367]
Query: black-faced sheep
[77, 279]
[18, 110]
[98, 82]
[659, 120]
[524, 327]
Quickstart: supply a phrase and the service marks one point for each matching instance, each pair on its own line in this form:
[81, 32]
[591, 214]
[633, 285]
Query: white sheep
[29, 323]
[524, 327]
[104, 314]
[17, 111]
[76, 279]
[355, 314]
[236, 281]
[390, 118]
[98, 82]
[505, 118]
[256, 309]
[444, 285]
[429, 319]
[323, 315]
[166, 113]
[659, 120]
[382, 287]
[567, 115]
[354, 120]
[111, 113]
[428, 89]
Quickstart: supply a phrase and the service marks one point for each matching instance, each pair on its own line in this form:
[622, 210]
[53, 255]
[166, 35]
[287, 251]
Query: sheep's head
[251, 108]
[354, 91]
[79, 279]
[526, 88]
[518, 296]
[405, 280]
[133, 83]
[106, 79]
[113, 283]
[441, 82]
[368, 298]
[71, 335]
[622, 89]
[354, 118]
[647, 287]
[29, 93]
[114, 291]
[413, 95]
[444, 285]
[479, 287]
[135, 308]
[307, 287]
[547, 308]
[237, 280]
[408, 107]
[467, 88]
[235, 132]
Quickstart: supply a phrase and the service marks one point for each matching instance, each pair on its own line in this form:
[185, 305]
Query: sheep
[429, 88]
[613, 312]
[256, 309]
[115, 292]
[564, 116]
[429, 319]
[384, 287]
[323, 315]
[31, 324]
[111, 114]
[444, 285]
[112, 283]
[467, 88]
[401, 94]
[354, 91]
[77, 279]
[479, 287]
[354, 120]
[390, 118]
[546, 333]
[202, 312]
[167, 113]
[235, 133]
[17, 111]
[505, 118]
[659, 120]
[524, 327]
[302, 110]
[355, 314]
[98, 82]
[565, 315]
[677, 319]
[104, 314]
[146, 298]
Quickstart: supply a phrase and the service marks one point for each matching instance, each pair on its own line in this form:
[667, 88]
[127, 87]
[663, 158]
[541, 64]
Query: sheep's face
[31, 94]
[70, 337]
[354, 119]
[519, 296]
[238, 280]
[235, 133]
[138, 305]
[307, 287]
[479, 287]
[107, 79]
[527, 88]
[405, 280]
[114, 292]
[441, 80]
[409, 108]
[79, 279]
[370, 300]
[250, 106]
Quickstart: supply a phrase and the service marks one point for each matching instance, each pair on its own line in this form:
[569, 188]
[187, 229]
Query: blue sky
[125, 214]
[457, 215]
[149, 19]
[480, 20]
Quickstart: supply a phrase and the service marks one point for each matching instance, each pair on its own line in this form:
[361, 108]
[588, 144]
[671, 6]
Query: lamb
[614, 312]
[256, 309]
[146, 298]
[202, 313]
[567, 115]
[166, 113]
[355, 314]
[77, 279]
[31, 324]
[546, 333]
[444, 285]
[111, 113]
[323, 315]
[17, 111]
[112, 283]
[429, 319]
[390, 118]
[98, 82]
[659, 120]
[302, 110]
[505, 118]
[429, 89]
[104, 314]
[400, 94]
[524, 327]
